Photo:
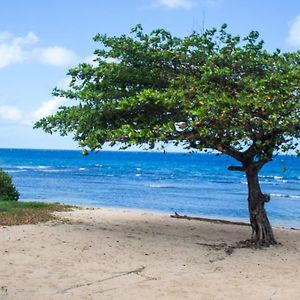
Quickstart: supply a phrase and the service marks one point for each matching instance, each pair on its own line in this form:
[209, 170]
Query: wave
[102, 166]
[223, 181]
[266, 182]
[262, 182]
[32, 167]
[271, 177]
[161, 186]
[285, 196]
[45, 169]
[279, 178]
[55, 170]
[15, 171]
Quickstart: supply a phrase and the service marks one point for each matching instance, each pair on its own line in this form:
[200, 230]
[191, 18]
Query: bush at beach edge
[8, 191]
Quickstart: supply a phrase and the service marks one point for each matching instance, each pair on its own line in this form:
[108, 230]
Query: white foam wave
[160, 186]
[265, 176]
[32, 167]
[270, 177]
[277, 195]
[56, 170]
[282, 180]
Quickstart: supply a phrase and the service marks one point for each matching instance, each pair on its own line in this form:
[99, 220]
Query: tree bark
[262, 233]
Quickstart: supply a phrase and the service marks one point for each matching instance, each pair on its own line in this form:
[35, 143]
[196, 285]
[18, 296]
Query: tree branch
[231, 152]
[236, 168]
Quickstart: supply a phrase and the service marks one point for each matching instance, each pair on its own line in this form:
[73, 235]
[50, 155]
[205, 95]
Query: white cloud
[10, 113]
[13, 49]
[56, 56]
[47, 108]
[294, 32]
[64, 83]
[20, 49]
[185, 4]
[90, 59]
[13, 114]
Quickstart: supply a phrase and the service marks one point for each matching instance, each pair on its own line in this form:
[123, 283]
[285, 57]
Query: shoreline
[105, 253]
[205, 218]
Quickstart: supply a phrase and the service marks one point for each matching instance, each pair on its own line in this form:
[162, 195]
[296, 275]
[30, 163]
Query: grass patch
[18, 212]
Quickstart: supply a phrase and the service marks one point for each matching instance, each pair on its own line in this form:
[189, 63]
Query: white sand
[118, 254]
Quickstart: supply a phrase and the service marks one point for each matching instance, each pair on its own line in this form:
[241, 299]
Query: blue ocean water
[193, 184]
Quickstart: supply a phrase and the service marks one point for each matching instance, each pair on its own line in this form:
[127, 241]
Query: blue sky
[41, 40]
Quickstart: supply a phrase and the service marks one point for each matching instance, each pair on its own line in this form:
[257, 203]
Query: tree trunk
[262, 233]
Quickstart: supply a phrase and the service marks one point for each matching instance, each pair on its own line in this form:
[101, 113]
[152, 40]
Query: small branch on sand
[216, 221]
[104, 291]
[273, 294]
[136, 271]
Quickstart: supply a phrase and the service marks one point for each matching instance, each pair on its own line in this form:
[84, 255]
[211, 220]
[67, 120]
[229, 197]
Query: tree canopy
[224, 93]
[206, 90]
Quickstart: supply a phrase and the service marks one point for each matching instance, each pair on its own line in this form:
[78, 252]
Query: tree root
[229, 249]
[253, 243]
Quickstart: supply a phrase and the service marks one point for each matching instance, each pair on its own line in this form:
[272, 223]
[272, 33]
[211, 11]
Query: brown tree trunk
[262, 233]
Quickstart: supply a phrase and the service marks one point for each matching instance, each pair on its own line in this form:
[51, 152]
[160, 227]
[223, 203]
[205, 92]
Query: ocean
[191, 184]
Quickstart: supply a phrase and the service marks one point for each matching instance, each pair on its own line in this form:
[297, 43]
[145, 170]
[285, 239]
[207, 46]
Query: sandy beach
[120, 254]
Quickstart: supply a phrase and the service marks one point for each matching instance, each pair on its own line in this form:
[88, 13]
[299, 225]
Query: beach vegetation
[8, 191]
[208, 90]
[21, 212]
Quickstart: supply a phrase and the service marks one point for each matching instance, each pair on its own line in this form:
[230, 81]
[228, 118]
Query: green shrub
[8, 192]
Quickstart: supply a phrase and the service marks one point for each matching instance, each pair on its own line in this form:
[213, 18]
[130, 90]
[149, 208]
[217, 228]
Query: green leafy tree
[210, 90]
[8, 191]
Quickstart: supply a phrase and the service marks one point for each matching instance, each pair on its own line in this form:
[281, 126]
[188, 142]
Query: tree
[210, 90]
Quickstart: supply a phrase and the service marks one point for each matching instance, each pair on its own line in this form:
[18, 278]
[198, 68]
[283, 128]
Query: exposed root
[217, 247]
[229, 249]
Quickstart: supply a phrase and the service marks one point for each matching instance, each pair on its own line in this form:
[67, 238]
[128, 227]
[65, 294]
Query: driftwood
[216, 221]
[136, 271]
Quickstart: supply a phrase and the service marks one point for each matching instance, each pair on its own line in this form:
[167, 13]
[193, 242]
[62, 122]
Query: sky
[41, 40]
